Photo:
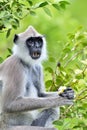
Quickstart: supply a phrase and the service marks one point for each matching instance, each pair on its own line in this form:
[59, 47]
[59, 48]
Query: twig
[84, 71]
[74, 56]
[4, 6]
[80, 93]
[83, 97]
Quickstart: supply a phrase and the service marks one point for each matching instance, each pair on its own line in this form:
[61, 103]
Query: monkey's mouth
[36, 55]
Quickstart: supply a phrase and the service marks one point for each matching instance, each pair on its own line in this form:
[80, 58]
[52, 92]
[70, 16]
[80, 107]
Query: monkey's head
[30, 46]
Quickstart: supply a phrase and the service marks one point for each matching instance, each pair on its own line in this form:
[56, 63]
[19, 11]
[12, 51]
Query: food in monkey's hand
[66, 92]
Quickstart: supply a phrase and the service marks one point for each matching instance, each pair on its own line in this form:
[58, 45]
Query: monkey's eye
[30, 42]
[40, 41]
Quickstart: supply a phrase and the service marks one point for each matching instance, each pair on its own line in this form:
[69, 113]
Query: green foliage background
[65, 27]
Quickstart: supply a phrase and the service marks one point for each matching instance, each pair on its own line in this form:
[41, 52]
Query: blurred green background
[55, 28]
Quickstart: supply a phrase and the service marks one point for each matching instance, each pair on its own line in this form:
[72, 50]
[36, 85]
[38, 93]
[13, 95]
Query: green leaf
[1, 59]
[17, 21]
[43, 4]
[58, 80]
[49, 69]
[79, 28]
[84, 61]
[52, 59]
[30, 2]
[14, 26]
[14, 3]
[66, 50]
[56, 6]
[85, 128]
[14, 23]
[47, 11]
[10, 51]
[48, 83]
[7, 24]
[63, 4]
[8, 33]
[8, 56]
[71, 36]
[59, 122]
[32, 13]
[80, 37]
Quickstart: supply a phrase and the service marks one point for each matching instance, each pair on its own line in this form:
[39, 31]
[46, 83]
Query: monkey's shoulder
[10, 60]
[10, 64]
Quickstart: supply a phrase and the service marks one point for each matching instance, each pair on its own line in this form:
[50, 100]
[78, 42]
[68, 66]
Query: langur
[25, 103]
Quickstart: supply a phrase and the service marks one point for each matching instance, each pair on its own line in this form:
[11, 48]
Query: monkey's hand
[66, 92]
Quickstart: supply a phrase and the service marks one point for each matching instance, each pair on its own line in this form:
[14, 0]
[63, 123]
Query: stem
[81, 93]
[74, 56]
[83, 97]
[4, 6]
[84, 71]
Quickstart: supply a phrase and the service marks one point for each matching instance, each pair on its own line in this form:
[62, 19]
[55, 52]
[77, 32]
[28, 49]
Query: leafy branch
[71, 70]
[11, 12]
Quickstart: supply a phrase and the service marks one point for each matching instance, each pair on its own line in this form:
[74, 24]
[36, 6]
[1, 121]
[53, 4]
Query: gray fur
[1, 84]
[28, 128]
[44, 116]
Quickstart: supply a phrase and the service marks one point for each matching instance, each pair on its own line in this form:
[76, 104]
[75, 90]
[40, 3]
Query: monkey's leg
[46, 117]
[27, 128]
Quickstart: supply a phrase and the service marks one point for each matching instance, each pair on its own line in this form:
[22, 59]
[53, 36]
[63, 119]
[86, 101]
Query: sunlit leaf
[71, 36]
[8, 33]
[56, 6]
[59, 122]
[78, 71]
[66, 2]
[58, 80]
[63, 6]
[84, 62]
[48, 83]
[66, 50]
[43, 4]
[52, 59]
[47, 11]
[32, 13]
[10, 51]
[1, 59]
[49, 69]
[30, 2]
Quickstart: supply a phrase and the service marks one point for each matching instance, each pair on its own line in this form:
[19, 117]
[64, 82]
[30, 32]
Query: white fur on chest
[30, 90]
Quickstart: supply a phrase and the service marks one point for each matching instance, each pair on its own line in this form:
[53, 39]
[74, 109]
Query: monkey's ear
[15, 38]
[44, 35]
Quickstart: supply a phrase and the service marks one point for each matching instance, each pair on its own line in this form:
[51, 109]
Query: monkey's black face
[34, 45]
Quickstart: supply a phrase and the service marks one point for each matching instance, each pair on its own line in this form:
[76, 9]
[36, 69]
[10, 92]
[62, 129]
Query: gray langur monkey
[25, 104]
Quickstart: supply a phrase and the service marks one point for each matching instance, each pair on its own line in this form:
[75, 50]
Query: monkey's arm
[13, 102]
[13, 92]
[26, 104]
